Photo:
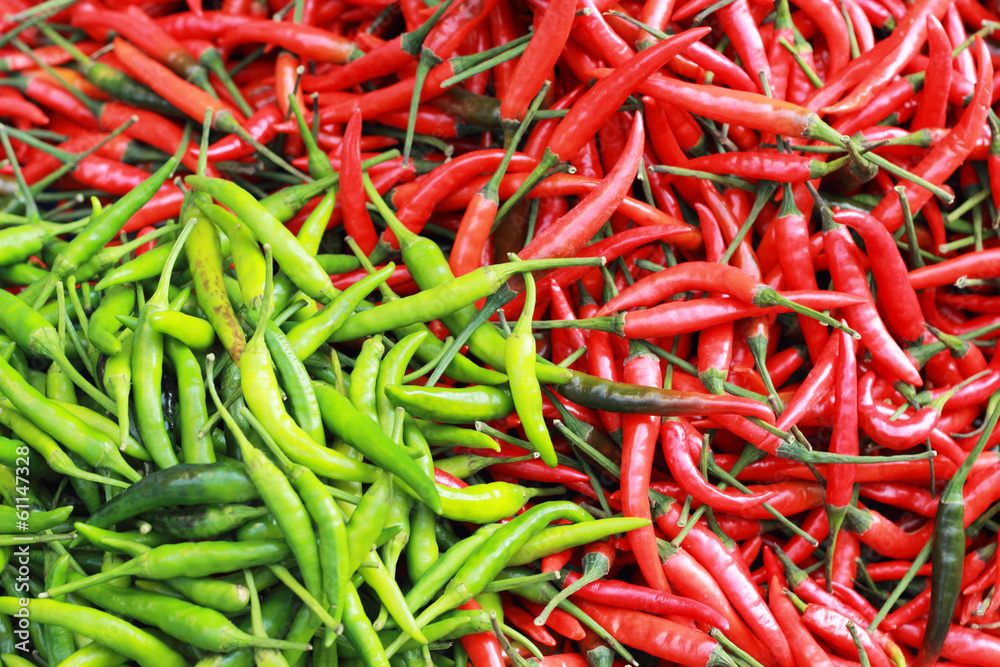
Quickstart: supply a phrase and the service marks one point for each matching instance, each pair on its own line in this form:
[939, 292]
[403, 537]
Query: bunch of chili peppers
[569, 333]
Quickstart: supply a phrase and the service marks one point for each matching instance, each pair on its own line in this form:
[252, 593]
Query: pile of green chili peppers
[213, 456]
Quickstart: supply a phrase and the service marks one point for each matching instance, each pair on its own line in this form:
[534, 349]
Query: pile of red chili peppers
[566, 332]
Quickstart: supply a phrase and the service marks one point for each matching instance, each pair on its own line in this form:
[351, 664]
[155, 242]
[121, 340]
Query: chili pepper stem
[767, 296]
[548, 162]
[227, 123]
[595, 566]
[609, 323]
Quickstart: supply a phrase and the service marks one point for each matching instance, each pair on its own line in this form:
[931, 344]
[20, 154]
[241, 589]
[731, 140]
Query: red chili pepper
[740, 26]
[417, 201]
[639, 434]
[261, 126]
[629, 596]
[984, 264]
[564, 660]
[844, 440]
[54, 97]
[357, 223]
[562, 185]
[831, 626]
[933, 108]
[658, 636]
[110, 176]
[895, 434]
[961, 644]
[210, 25]
[805, 648]
[887, 538]
[677, 445]
[152, 129]
[677, 317]
[534, 65]
[190, 99]
[483, 648]
[600, 101]
[694, 582]
[945, 157]
[304, 40]
[15, 106]
[848, 276]
[571, 232]
[523, 621]
[137, 27]
[787, 497]
[558, 621]
[733, 575]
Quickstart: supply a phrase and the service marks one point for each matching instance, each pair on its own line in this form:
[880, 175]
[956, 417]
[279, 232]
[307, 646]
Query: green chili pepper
[362, 390]
[203, 522]
[308, 336]
[283, 204]
[147, 367]
[447, 435]
[331, 529]
[59, 641]
[301, 267]
[276, 612]
[391, 372]
[486, 503]
[104, 227]
[363, 434]
[451, 626]
[487, 561]
[205, 255]
[213, 592]
[33, 333]
[382, 582]
[265, 528]
[296, 382]
[429, 268]
[204, 628]
[263, 397]
[277, 492]
[195, 447]
[444, 299]
[519, 356]
[459, 368]
[23, 273]
[453, 406]
[193, 332]
[359, 631]
[106, 428]
[127, 639]
[43, 444]
[312, 230]
[94, 655]
[185, 484]
[367, 521]
[948, 551]
[199, 559]
[11, 519]
[559, 538]
[148, 265]
[21, 242]
[247, 257]
[118, 383]
[104, 324]
[59, 423]
[421, 548]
